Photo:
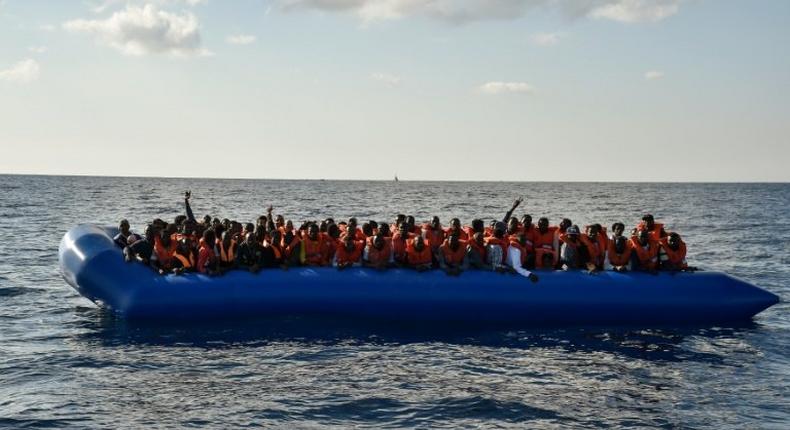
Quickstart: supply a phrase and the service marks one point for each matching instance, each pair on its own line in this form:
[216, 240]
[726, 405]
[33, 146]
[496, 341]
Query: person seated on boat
[314, 250]
[227, 247]
[655, 229]
[248, 228]
[183, 258]
[546, 245]
[399, 219]
[207, 260]
[496, 248]
[455, 228]
[618, 229]
[249, 254]
[384, 230]
[477, 226]
[597, 243]
[644, 256]
[142, 249]
[291, 242]
[349, 253]
[125, 235]
[418, 254]
[367, 230]
[519, 254]
[164, 248]
[513, 227]
[476, 253]
[571, 249]
[274, 252]
[378, 252]
[179, 220]
[672, 254]
[452, 255]
[413, 227]
[433, 234]
[400, 242]
[352, 227]
[618, 255]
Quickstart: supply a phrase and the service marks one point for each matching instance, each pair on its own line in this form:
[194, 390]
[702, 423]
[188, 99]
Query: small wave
[16, 291]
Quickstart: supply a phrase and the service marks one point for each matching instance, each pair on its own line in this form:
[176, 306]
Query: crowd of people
[212, 246]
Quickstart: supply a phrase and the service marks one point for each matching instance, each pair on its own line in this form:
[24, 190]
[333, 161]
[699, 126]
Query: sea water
[66, 364]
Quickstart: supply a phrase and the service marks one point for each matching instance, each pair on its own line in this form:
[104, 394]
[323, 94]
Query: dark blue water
[65, 363]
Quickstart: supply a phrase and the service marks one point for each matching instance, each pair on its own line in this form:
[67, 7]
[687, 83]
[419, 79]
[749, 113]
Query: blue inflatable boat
[94, 266]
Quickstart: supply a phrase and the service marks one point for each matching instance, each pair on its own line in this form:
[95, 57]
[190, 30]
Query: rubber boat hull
[94, 266]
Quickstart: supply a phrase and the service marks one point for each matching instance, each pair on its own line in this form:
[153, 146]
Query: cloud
[22, 72]
[631, 11]
[652, 75]
[462, 11]
[494, 88]
[240, 39]
[141, 30]
[37, 49]
[105, 5]
[47, 27]
[545, 39]
[390, 80]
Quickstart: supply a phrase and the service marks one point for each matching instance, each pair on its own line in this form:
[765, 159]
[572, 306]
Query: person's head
[160, 224]
[499, 229]
[674, 241]
[410, 221]
[333, 231]
[312, 231]
[262, 220]
[367, 229]
[188, 227]
[643, 237]
[249, 228]
[279, 221]
[384, 229]
[478, 238]
[378, 241]
[171, 229]
[453, 241]
[403, 229]
[565, 223]
[322, 226]
[594, 230]
[649, 221]
[619, 244]
[572, 232]
[348, 243]
[124, 227]
[455, 224]
[330, 221]
[164, 237]
[478, 225]
[226, 223]
[250, 239]
[289, 225]
[352, 224]
[543, 224]
[399, 219]
[373, 224]
[219, 230]
[512, 225]
[207, 220]
[526, 221]
[618, 228]
[208, 237]
[435, 223]
[179, 219]
[419, 243]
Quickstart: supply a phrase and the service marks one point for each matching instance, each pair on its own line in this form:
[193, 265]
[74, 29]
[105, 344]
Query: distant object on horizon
[396, 177]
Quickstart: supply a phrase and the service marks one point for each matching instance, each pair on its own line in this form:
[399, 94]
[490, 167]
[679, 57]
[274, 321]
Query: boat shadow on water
[654, 343]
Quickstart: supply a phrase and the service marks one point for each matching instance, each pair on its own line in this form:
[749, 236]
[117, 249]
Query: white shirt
[514, 261]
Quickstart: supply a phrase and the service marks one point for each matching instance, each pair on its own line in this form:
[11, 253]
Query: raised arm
[190, 215]
[513, 208]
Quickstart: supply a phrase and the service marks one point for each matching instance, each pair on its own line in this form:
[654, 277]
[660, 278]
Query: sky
[495, 90]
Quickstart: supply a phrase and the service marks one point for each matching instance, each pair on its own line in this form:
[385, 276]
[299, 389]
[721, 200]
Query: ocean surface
[66, 364]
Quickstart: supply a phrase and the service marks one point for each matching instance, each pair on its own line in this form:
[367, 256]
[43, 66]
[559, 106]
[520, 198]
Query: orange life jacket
[415, 257]
[503, 243]
[462, 235]
[655, 233]
[315, 252]
[477, 247]
[648, 258]
[399, 245]
[434, 237]
[453, 257]
[675, 257]
[343, 256]
[380, 256]
[616, 259]
[545, 240]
